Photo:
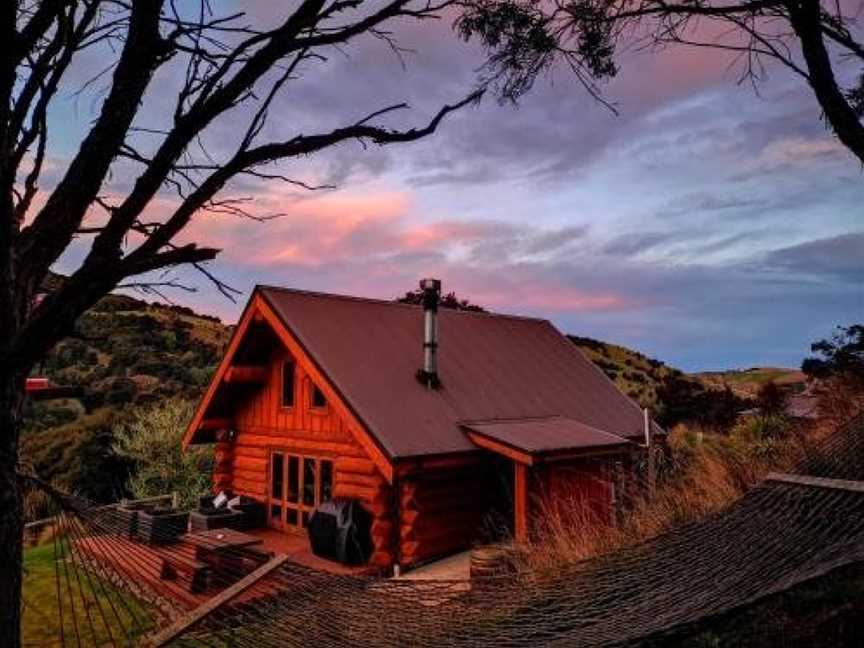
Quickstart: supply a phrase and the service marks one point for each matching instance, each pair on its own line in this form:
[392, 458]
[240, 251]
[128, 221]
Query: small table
[222, 548]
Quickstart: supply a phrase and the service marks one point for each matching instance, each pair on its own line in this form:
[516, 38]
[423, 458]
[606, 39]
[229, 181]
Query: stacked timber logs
[359, 479]
[439, 515]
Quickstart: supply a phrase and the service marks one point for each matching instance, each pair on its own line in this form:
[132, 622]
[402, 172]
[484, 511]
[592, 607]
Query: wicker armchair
[248, 514]
[209, 518]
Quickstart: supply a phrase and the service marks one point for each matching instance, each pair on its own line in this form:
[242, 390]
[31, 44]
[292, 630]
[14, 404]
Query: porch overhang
[530, 441]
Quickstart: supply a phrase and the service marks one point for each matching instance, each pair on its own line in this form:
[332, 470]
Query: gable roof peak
[265, 288]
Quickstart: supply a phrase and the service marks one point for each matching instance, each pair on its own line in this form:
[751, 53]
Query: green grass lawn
[102, 614]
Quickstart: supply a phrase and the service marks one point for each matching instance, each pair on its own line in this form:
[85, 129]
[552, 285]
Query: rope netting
[780, 535]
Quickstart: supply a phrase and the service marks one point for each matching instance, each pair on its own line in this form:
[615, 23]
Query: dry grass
[698, 473]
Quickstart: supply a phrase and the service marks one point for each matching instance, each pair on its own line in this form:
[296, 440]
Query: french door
[298, 483]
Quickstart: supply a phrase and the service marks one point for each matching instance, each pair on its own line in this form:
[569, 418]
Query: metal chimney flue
[428, 375]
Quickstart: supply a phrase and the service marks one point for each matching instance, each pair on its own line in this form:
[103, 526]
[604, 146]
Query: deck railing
[32, 530]
[171, 498]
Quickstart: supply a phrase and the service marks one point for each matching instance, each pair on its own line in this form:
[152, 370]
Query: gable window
[288, 383]
[319, 400]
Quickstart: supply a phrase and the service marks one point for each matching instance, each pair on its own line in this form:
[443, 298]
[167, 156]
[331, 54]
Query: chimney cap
[430, 284]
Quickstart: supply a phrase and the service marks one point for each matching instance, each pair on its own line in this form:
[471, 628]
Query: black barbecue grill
[340, 530]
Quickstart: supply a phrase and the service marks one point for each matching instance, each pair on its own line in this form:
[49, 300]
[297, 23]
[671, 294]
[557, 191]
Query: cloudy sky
[705, 225]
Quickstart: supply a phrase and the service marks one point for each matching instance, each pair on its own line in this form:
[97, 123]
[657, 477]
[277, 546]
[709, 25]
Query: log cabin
[443, 442]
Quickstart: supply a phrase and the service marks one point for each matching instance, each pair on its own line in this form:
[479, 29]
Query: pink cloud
[552, 297]
[443, 232]
[322, 229]
[374, 244]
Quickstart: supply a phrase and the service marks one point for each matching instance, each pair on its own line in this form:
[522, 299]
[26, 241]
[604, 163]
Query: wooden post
[520, 503]
[649, 449]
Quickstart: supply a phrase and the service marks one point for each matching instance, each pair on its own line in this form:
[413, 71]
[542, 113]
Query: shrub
[122, 391]
[114, 303]
[77, 457]
[200, 376]
[588, 343]
[757, 429]
[150, 439]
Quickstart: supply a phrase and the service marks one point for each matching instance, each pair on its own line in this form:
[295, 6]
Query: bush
[200, 376]
[150, 440]
[122, 391]
[761, 428]
[67, 353]
[114, 303]
[77, 457]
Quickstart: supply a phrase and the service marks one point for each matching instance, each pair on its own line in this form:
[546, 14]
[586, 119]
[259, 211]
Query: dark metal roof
[491, 367]
[542, 435]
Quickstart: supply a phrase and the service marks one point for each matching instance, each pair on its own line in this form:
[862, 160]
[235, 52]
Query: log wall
[263, 425]
[441, 513]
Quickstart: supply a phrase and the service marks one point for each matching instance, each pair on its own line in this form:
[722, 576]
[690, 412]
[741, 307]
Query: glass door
[298, 484]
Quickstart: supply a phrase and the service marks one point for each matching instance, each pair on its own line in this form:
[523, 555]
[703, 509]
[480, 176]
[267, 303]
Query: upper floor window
[318, 397]
[288, 370]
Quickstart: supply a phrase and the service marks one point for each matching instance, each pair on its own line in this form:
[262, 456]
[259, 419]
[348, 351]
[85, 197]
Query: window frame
[313, 390]
[285, 363]
[301, 510]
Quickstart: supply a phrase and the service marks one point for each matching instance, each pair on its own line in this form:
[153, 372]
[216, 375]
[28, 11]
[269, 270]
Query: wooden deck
[142, 564]
[296, 547]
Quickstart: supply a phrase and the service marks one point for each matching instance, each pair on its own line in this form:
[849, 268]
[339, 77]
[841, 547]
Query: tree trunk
[11, 512]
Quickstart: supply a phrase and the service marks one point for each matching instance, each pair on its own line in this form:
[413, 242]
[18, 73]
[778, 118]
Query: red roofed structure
[322, 396]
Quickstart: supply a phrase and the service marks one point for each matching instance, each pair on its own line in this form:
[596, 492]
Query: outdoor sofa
[237, 512]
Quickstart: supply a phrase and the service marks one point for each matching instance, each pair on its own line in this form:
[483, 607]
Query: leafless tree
[230, 68]
[820, 41]
[225, 66]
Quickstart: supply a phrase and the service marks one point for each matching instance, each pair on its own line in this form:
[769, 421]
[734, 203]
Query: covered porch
[557, 459]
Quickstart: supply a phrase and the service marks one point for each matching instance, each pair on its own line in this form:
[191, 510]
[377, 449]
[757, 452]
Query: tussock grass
[697, 473]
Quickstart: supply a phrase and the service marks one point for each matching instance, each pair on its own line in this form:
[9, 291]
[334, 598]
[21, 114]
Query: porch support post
[520, 503]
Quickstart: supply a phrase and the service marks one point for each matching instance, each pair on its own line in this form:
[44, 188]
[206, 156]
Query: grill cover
[340, 530]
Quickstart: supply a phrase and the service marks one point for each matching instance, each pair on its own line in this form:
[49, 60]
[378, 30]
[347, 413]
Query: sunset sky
[703, 225]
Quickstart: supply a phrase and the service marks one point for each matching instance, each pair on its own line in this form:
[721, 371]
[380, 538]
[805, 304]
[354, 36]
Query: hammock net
[784, 535]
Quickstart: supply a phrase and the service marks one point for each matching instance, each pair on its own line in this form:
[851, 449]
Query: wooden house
[322, 396]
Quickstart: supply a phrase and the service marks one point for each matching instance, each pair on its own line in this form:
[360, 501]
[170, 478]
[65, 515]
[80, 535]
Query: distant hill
[672, 396]
[637, 375]
[125, 353]
[748, 381]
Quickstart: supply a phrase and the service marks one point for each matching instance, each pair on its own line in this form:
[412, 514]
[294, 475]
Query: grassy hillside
[125, 353]
[748, 381]
[637, 375]
[671, 395]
